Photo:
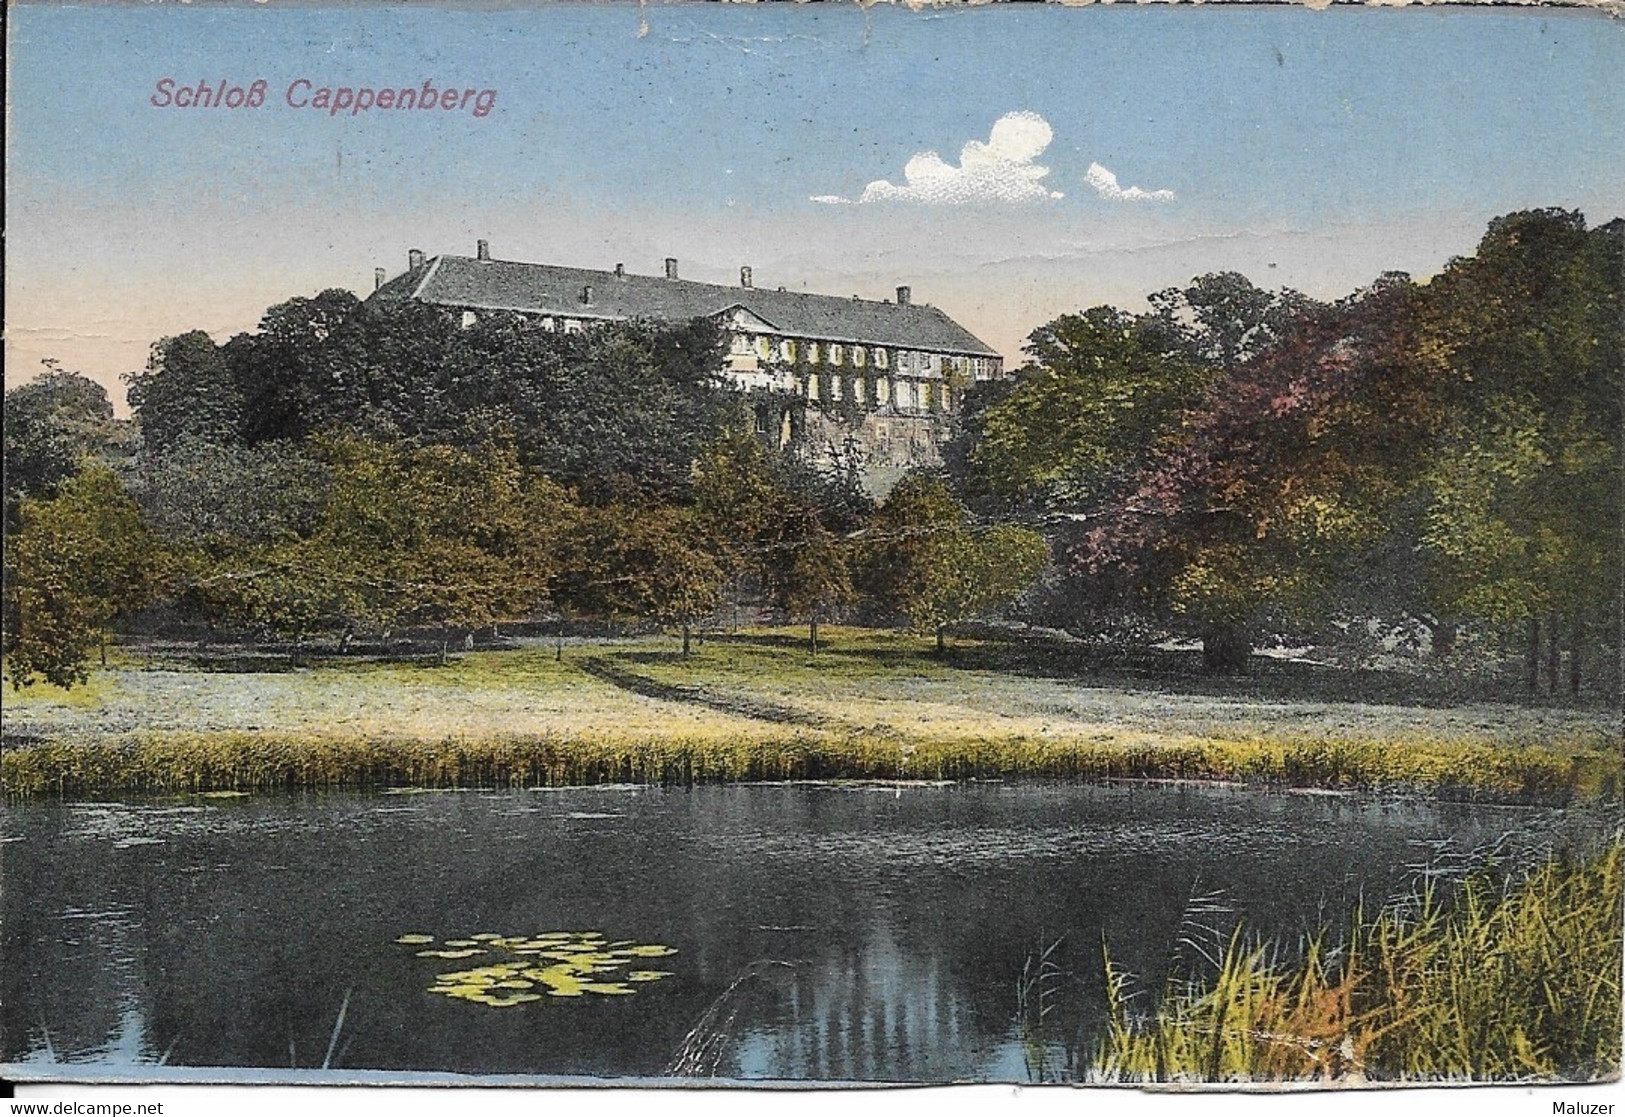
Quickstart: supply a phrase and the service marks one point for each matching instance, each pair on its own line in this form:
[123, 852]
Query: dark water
[209, 933]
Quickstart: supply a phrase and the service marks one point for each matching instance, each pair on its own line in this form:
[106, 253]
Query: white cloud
[1000, 170]
[1105, 184]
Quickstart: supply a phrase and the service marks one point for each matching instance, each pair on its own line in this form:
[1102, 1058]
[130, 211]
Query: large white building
[865, 382]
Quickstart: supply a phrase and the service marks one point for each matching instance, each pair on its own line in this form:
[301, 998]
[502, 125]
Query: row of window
[835, 353]
[904, 395]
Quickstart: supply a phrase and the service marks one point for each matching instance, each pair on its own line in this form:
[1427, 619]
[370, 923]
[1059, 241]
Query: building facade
[854, 383]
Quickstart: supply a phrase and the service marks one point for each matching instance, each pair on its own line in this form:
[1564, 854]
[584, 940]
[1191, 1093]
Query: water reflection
[821, 933]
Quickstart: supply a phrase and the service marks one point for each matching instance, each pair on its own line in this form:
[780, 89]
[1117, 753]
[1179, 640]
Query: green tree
[809, 571]
[641, 562]
[187, 391]
[1523, 504]
[54, 424]
[434, 536]
[1102, 391]
[924, 560]
[79, 562]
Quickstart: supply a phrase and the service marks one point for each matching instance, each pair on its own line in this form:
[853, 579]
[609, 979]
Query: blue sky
[1312, 149]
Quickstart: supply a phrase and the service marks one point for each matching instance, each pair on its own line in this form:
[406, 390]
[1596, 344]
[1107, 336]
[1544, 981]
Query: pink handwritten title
[302, 93]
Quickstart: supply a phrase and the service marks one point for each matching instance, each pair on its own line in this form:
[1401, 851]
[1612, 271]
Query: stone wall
[880, 445]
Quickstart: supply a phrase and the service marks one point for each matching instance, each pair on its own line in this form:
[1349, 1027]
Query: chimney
[414, 259]
[744, 276]
[620, 271]
[903, 296]
[482, 250]
[377, 278]
[671, 267]
[586, 296]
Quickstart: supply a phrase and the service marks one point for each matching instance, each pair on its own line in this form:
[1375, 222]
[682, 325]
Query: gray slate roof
[465, 282]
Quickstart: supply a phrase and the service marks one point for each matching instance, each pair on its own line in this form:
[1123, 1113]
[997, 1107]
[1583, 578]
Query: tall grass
[248, 761]
[1515, 978]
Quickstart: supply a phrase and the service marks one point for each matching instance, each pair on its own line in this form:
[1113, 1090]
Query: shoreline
[234, 761]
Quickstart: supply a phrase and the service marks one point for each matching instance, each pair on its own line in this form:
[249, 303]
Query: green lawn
[870, 704]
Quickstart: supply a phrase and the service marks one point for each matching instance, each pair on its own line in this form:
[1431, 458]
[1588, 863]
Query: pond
[804, 932]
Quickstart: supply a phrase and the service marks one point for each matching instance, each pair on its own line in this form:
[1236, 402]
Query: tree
[434, 536]
[924, 560]
[1103, 389]
[78, 562]
[301, 359]
[641, 562]
[1222, 319]
[1280, 483]
[54, 424]
[809, 574]
[1521, 521]
[187, 391]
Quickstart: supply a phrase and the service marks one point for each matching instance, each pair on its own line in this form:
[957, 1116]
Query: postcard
[813, 545]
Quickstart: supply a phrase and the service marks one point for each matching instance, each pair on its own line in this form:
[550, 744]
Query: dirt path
[633, 683]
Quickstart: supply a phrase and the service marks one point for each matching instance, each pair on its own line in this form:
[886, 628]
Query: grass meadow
[869, 705]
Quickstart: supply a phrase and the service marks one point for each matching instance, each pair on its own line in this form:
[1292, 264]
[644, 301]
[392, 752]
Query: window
[880, 358]
[764, 347]
[812, 352]
[882, 390]
[572, 325]
[740, 345]
[761, 420]
[834, 354]
[549, 325]
[787, 350]
[469, 319]
[812, 386]
[835, 387]
[859, 356]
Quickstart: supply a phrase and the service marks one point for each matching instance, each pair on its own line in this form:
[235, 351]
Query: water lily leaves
[549, 963]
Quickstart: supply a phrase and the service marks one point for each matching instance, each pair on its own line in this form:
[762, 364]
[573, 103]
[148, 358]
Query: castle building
[854, 383]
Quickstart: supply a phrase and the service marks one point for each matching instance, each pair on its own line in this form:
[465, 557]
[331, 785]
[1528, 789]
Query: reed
[1515, 978]
[231, 760]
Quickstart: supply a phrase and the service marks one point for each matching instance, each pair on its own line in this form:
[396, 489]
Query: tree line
[1235, 462]
[349, 470]
[1231, 463]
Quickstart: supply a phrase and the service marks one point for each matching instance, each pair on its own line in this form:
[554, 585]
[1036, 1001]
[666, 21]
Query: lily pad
[548, 963]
